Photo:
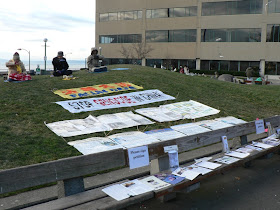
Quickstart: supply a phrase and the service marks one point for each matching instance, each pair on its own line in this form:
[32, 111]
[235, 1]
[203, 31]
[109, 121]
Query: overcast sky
[68, 25]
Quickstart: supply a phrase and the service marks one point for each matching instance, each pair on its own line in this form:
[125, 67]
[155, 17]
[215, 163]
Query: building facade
[202, 34]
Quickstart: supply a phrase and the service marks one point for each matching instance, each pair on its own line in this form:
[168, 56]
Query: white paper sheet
[118, 192]
[237, 154]
[138, 157]
[254, 148]
[227, 160]
[136, 187]
[165, 134]
[154, 183]
[133, 139]
[191, 109]
[123, 120]
[190, 129]
[213, 124]
[184, 172]
[207, 164]
[244, 150]
[231, 120]
[261, 145]
[198, 169]
[159, 114]
[94, 145]
[77, 127]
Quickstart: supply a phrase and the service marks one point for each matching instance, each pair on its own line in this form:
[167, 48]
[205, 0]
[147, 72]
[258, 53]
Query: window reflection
[273, 33]
[232, 7]
[122, 38]
[231, 35]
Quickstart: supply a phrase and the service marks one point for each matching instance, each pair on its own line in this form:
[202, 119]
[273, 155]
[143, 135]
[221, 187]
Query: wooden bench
[69, 173]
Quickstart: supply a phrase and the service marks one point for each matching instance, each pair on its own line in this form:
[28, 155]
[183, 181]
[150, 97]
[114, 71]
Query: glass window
[224, 65]
[160, 13]
[273, 33]
[113, 16]
[128, 15]
[157, 36]
[177, 36]
[121, 38]
[103, 17]
[204, 65]
[273, 6]
[214, 65]
[139, 14]
[233, 65]
[120, 15]
[179, 12]
[193, 11]
[232, 7]
[271, 68]
[244, 65]
[148, 13]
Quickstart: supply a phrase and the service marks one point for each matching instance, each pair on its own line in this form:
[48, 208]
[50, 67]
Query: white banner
[116, 101]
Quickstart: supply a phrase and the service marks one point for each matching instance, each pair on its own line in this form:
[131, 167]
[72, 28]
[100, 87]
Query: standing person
[60, 65]
[17, 71]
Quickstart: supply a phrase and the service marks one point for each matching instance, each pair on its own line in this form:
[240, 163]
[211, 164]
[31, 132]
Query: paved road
[257, 187]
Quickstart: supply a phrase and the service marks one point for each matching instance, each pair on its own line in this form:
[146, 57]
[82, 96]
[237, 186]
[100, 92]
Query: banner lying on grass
[176, 111]
[96, 90]
[101, 123]
[117, 101]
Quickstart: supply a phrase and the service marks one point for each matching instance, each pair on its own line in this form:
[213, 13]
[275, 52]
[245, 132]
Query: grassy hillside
[24, 139]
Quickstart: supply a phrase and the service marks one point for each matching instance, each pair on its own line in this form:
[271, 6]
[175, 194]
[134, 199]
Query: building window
[157, 36]
[121, 38]
[113, 16]
[273, 6]
[182, 11]
[232, 7]
[272, 68]
[231, 35]
[188, 35]
[156, 13]
[273, 33]
[104, 17]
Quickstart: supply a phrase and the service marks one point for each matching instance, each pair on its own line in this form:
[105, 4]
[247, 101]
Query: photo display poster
[95, 90]
[101, 123]
[116, 101]
[191, 109]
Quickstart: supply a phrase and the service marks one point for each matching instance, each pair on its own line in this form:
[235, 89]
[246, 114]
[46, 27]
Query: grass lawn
[24, 139]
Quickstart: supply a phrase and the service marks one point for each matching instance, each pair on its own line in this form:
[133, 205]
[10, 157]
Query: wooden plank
[38, 174]
[112, 204]
[73, 200]
[221, 169]
[204, 139]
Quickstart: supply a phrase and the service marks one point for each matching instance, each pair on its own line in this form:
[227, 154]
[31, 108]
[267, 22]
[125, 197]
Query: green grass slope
[24, 139]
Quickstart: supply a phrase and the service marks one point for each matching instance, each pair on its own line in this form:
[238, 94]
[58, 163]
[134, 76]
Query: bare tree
[142, 50]
[126, 51]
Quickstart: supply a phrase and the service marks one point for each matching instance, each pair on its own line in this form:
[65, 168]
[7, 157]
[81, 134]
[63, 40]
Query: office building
[202, 34]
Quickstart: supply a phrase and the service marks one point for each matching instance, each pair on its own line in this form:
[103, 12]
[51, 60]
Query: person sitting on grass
[17, 71]
[60, 65]
[93, 61]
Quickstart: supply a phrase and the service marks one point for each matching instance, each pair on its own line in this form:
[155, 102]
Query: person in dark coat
[60, 65]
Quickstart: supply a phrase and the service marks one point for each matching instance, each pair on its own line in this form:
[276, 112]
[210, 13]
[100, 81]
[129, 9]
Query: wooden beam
[39, 174]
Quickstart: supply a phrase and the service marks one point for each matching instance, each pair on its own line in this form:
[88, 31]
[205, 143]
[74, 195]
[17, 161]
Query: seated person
[93, 61]
[60, 65]
[17, 71]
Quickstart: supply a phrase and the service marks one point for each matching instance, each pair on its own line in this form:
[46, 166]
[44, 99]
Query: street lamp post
[28, 57]
[45, 58]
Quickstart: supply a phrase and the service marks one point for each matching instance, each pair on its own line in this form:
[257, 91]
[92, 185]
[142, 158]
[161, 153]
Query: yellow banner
[96, 90]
